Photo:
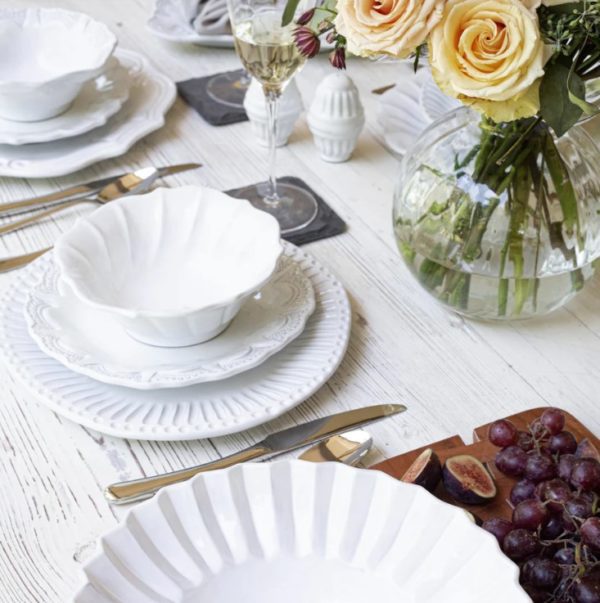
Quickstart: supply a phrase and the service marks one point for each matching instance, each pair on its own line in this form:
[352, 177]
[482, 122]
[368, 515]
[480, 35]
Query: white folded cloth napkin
[212, 18]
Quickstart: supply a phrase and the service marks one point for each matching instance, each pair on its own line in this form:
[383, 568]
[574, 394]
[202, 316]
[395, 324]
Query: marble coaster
[326, 224]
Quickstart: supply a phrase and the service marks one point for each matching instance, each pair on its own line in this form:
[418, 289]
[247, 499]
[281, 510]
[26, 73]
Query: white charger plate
[298, 532]
[98, 100]
[200, 411]
[94, 343]
[151, 94]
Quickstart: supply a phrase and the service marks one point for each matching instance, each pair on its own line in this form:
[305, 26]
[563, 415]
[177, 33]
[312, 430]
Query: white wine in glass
[269, 53]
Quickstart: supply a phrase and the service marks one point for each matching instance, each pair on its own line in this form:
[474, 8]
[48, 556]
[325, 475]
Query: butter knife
[89, 189]
[289, 439]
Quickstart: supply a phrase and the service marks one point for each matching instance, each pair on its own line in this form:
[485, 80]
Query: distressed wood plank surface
[452, 374]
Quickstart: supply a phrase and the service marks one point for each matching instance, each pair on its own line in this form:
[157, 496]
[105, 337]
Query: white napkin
[212, 18]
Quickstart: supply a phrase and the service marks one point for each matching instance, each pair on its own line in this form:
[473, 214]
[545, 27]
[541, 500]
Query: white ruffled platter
[98, 100]
[151, 94]
[199, 411]
[298, 532]
[94, 343]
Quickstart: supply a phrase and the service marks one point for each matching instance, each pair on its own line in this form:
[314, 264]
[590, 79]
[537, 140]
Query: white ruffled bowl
[46, 55]
[175, 265]
[298, 532]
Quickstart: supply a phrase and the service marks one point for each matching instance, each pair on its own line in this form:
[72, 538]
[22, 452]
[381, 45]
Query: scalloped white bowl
[174, 265]
[46, 56]
[298, 532]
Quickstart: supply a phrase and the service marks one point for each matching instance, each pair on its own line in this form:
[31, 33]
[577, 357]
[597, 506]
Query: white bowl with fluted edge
[174, 265]
[298, 532]
[46, 56]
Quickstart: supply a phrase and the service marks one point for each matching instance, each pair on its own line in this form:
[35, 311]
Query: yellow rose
[489, 54]
[393, 27]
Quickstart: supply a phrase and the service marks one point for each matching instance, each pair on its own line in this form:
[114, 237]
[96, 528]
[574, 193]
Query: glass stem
[272, 102]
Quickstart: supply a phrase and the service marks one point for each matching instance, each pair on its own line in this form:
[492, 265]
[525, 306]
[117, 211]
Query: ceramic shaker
[336, 117]
[289, 110]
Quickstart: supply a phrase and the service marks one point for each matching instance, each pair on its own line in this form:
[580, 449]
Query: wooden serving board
[485, 451]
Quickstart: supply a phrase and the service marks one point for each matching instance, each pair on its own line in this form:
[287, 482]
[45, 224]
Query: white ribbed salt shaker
[289, 110]
[336, 117]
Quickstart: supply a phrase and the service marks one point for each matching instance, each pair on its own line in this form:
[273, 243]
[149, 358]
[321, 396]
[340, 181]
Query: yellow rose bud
[489, 54]
[392, 27]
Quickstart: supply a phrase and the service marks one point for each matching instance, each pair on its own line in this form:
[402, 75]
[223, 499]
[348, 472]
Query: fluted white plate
[298, 532]
[434, 102]
[151, 94]
[199, 411]
[98, 100]
[94, 343]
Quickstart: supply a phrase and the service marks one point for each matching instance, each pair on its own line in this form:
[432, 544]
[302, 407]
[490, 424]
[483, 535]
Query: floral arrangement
[525, 66]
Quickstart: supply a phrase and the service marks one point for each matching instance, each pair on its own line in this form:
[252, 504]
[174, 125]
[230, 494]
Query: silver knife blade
[88, 189]
[282, 441]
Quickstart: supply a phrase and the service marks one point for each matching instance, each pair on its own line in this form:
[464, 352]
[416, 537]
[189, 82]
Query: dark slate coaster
[326, 224]
[216, 112]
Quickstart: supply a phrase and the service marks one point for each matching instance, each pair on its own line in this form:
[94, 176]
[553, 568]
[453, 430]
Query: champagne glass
[268, 52]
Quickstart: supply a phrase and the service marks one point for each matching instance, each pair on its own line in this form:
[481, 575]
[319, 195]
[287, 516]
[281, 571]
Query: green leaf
[289, 12]
[557, 109]
[576, 89]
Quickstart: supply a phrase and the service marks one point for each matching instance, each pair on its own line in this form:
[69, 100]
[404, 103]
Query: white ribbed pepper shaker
[336, 117]
[289, 110]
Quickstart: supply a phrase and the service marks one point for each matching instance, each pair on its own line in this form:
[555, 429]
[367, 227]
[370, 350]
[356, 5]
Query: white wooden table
[452, 374]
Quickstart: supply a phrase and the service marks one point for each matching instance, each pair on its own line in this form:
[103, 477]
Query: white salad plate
[94, 343]
[151, 94]
[298, 532]
[98, 100]
[175, 265]
[173, 20]
[199, 411]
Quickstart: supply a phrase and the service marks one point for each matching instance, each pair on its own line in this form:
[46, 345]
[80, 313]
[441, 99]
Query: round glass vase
[500, 224]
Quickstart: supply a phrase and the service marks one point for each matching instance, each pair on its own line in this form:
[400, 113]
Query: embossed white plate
[298, 532]
[94, 343]
[198, 411]
[98, 100]
[151, 94]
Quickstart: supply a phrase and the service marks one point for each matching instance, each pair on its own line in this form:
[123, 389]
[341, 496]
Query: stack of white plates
[73, 332]
[67, 97]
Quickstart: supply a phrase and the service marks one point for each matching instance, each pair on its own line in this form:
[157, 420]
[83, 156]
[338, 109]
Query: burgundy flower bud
[307, 41]
[306, 17]
[331, 37]
[338, 58]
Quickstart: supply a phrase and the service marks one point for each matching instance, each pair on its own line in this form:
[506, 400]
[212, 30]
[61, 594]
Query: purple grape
[565, 466]
[586, 475]
[579, 507]
[511, 461]
[539, 468]
[553, 420]
[590, 533]
[555, 493]
[554, 528]
[498, 527]
[524, 441]
[565, 556]
[535, 594]
[502, 433]
[587, 590]
[530, 515]
[563, 443]
[541, 573]
[520, 544]
[522, 490]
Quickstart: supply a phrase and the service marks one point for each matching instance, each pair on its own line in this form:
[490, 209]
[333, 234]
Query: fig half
[587, 450]
[468, 481]
[426, 470]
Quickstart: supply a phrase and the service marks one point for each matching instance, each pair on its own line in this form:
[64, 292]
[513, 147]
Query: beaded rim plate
[94, 343]
[204, 410]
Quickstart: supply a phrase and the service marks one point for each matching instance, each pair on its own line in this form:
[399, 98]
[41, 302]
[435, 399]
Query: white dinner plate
[298, 532]
[198, 411]
[98, 100]
[94, 343]
[151, 94]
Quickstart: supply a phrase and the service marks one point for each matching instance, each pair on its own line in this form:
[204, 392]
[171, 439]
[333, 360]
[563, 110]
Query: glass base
[228, 88]
[294, 208]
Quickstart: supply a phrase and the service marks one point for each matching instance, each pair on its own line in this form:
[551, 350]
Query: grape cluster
[554, 533]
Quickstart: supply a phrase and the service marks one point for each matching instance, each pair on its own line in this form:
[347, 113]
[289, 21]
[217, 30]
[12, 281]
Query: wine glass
[268, 52]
